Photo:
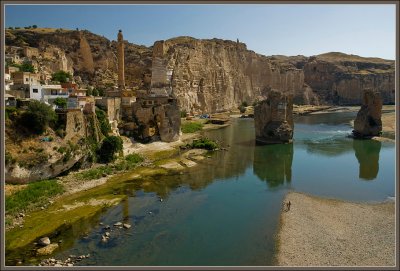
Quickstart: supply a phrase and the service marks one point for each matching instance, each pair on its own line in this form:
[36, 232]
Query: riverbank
[327, 232]
[84, 198]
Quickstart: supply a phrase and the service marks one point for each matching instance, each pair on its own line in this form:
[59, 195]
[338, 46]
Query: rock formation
[56, 156]
[273, 118]
[338, 78]
[215, 75]
[161, 121]
[368, 122]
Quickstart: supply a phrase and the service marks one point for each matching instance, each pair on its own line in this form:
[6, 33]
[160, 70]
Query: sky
[270, 29]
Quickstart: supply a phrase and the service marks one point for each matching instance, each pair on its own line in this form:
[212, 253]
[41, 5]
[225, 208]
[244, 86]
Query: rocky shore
[327, 232]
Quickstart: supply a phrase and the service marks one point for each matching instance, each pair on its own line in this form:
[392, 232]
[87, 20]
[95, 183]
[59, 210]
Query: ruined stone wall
[159, 122]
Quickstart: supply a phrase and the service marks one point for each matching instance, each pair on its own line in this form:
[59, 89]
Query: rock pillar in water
[273, 119]
[368, 122]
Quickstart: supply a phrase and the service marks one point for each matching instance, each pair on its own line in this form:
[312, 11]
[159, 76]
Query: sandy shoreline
[327, 232]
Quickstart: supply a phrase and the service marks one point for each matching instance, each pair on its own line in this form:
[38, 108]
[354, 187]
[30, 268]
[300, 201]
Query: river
[225, 211]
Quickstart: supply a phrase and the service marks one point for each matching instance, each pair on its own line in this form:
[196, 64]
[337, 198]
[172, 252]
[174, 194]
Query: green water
[225, 211]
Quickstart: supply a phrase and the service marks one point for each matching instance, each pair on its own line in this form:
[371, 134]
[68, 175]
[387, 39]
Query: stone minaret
[121, 64]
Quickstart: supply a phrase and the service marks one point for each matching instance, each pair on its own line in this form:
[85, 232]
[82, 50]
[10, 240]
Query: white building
[8, 81]
[47, 93]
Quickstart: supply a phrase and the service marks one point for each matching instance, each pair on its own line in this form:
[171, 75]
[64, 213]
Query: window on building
[26, 79]
[53, 92]
[35, 90]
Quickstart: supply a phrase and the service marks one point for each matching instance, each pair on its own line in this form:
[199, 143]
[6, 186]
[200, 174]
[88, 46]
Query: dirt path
[326, 232]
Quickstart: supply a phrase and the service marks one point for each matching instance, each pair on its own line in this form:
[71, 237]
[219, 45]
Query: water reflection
[367, 154]
[273, 163]
[329, 146]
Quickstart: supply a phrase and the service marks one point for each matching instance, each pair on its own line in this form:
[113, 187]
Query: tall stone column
[121, 64]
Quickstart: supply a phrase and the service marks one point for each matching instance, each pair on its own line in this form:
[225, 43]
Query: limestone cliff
[340, 79]
[215, 75]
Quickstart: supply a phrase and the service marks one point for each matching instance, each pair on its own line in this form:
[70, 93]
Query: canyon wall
[216, 75]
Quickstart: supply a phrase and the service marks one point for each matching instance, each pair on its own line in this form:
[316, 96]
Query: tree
[61, 76]
[105, 126]
[61, 102]
[38, 117]
[242, 109]
[27, 67]
[34, 26]
[95, 92]
[89, 91]
[109, 147]
[101, 91]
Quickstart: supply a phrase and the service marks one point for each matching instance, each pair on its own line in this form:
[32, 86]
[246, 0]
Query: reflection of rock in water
[273, 163]
[367, 154]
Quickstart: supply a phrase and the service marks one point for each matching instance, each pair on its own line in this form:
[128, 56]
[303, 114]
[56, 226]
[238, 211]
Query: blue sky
[269, 29]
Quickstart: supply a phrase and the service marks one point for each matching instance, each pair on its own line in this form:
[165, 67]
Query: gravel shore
[326, 232]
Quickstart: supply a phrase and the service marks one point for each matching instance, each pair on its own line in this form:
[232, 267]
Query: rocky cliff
[92, 58]
[30, 158]
[215, 75]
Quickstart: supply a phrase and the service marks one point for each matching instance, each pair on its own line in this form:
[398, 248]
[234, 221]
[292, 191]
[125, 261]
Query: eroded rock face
[273, 118]
[368, 122]
[159, 122]
[339, 78]
[215, 75]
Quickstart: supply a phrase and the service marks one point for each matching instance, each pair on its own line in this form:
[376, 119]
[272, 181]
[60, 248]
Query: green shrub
[191, 127]
[242, 109]
[204, 143]
[61, 102]
[105, 126]
[35, 193]
[109, 147]
[61, 76]
[37, 117]
[9, 160]
[10, 113]
[133, 158]
[183, 114]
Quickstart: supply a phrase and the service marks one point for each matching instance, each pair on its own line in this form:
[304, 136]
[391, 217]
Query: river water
[225, 211]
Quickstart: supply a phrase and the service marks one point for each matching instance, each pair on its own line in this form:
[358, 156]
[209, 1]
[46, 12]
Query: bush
[37, 117]
[242, 109]
[61, 76]
[204, 143]
[61, 102]
[133, 158]
[105, 126]
[34, 26]
[95, 92]
[183, 114]
[10, 113]
[35, 193]
[9, 160]
[245, 104]
[191, 127]
[109, 147]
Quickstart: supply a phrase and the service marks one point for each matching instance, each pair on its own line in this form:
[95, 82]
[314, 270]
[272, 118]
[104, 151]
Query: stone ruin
[153, 114]
[368, 122]
[273, 118]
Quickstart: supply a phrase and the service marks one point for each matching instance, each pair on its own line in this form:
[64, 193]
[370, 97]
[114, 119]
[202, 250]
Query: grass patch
[204, 143]
[34, 194]
[191, 127]
[128, 162]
